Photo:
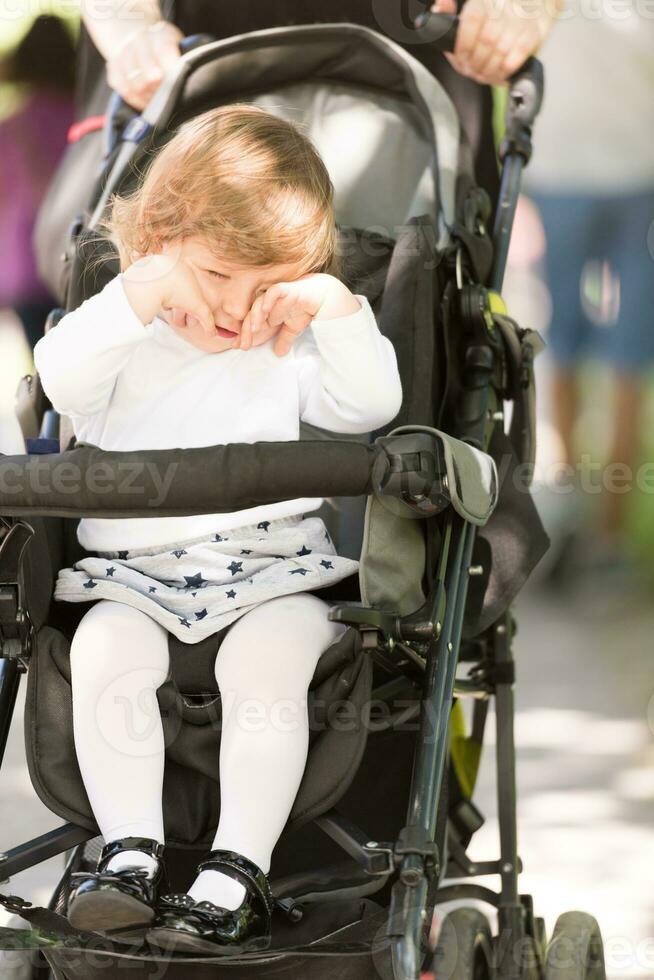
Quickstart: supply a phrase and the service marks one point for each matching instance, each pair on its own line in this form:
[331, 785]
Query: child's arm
[79, 359]
[348, 375]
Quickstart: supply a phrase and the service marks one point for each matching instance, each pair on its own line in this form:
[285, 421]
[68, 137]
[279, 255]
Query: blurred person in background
[33, 138]
[592, 180]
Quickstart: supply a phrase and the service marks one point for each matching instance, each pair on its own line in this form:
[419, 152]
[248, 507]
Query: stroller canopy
[386, 129]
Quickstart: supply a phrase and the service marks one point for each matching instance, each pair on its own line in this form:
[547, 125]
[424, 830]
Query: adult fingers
[165, 40]
[486, 45]
[138, 67]
[471, 23]
[444, 7]
[523, 46]
[131, 84]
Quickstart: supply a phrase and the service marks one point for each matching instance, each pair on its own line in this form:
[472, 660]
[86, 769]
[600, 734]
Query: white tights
[119, 657]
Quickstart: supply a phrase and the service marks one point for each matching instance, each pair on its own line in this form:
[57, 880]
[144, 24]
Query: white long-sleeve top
[127, 386]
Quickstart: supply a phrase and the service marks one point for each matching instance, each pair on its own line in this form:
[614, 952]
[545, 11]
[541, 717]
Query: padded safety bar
[423, 469]
[91, 482]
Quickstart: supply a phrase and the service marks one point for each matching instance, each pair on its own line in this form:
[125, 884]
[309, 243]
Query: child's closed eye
[215, 274]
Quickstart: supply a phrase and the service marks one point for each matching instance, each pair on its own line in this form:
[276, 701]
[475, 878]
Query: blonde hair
[247, 182]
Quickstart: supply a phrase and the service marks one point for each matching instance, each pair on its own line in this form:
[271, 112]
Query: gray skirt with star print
[195, 588]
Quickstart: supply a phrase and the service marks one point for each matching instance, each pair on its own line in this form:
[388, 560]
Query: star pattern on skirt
[197, 580]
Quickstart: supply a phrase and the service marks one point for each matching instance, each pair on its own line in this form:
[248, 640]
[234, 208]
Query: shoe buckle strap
[147, 845]
[242, 870]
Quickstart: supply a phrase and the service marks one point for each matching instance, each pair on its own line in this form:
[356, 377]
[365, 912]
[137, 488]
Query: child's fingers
[289, 333]
[252, 325]
[244, 340]
[275, 300]
[284, 341]
[259, 319]
[284, 310]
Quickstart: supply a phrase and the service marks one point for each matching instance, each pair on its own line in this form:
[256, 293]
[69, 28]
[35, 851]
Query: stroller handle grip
[440, 30]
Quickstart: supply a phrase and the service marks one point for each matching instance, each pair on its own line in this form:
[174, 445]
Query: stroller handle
[441, 31]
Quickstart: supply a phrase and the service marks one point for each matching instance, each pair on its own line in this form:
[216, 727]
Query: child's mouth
[225, 333]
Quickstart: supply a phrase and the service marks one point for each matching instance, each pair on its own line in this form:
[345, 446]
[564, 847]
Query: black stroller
[436, 507]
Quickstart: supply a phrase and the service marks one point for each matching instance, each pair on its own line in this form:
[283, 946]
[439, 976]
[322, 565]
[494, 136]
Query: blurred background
[581, 272]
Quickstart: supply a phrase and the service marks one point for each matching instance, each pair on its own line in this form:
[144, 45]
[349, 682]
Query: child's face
[229, 290]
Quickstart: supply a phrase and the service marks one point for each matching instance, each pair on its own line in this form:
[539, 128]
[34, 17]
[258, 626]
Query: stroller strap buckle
[135, 130]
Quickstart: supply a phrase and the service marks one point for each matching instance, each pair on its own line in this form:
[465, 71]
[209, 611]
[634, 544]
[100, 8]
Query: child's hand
[167, 282]
[287, 309]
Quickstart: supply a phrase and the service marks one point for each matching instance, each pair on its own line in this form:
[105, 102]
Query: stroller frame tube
[9, 681]
[410, 893]
[510, 908]
[409, 896]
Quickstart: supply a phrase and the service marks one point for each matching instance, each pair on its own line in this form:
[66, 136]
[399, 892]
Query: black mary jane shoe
[183, 924]
[112, 901]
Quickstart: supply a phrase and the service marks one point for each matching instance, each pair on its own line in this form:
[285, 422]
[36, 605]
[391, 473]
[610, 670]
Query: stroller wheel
[575, 951]
[464, 950]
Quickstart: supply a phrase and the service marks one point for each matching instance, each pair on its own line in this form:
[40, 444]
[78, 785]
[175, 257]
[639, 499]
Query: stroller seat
[191, 713]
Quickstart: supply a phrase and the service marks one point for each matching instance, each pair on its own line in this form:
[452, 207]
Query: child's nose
[238, 305]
